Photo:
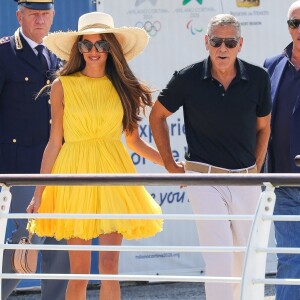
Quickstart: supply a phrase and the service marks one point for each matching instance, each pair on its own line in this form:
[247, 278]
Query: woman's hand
[34, 205]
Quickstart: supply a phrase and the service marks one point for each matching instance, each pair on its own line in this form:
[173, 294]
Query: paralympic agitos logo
[192, 29]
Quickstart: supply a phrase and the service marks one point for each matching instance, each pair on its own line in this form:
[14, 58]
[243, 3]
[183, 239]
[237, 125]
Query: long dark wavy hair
[134, 95]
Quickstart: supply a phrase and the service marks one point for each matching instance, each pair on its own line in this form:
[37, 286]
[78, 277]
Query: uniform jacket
[24, 119]
[276, 66]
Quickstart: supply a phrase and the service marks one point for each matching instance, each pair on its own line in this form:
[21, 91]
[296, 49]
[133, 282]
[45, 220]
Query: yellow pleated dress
[92, 125]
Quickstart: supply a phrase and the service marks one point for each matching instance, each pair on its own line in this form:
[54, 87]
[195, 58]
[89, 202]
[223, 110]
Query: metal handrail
[151, 179]
[179, 217]
[125, 248]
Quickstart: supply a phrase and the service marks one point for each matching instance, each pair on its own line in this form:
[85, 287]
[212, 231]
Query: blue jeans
[287, 234]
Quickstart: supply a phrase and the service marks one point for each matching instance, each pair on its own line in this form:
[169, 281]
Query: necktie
[41, 57]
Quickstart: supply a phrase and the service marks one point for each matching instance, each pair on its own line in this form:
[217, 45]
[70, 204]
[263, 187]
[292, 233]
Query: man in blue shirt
[283, 147]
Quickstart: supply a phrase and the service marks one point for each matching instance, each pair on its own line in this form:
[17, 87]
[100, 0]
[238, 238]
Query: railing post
[255, 262]
[5, 200]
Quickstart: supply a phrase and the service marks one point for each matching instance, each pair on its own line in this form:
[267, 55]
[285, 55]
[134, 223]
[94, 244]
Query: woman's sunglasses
[293, 23]
[87, 46]
[216, 42]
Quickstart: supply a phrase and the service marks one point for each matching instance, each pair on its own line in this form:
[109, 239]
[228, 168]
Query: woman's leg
[109, 264]
[80, 263]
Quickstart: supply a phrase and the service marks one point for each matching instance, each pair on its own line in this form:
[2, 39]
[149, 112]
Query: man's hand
[176, 168]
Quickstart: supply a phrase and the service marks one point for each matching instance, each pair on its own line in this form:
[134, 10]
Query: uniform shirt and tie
[40, 50]
[41, 56]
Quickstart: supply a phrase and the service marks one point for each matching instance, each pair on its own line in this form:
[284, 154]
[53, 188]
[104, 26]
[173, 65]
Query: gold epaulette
[18, 41]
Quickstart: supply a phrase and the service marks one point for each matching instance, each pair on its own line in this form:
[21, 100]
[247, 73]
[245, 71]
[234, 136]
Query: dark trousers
[51, 261]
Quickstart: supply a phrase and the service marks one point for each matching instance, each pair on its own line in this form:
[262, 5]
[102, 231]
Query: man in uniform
[25, 68]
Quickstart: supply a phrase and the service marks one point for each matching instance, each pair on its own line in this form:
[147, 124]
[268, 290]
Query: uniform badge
[4, 40]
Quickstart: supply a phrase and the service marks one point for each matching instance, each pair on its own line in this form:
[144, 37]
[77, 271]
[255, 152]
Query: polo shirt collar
[241, 70]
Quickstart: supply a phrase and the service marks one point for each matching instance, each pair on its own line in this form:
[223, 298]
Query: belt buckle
[233, 171]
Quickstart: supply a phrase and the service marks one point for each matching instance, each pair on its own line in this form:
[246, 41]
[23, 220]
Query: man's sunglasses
[87, 46]
[293, 23]
[229, 42]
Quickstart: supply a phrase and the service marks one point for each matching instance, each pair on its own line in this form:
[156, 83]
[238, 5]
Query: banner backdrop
[177, 29]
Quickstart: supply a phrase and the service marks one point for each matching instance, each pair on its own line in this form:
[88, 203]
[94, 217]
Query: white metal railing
[255, 261]
[253, 279]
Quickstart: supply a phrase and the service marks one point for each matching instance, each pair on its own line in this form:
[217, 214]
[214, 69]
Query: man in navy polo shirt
[25, 68]
[226, 105]
[283, 147]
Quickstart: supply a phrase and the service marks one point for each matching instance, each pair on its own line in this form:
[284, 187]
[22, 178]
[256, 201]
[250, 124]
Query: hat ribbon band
[97, 25]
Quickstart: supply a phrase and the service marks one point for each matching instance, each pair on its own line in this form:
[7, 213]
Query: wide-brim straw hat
[133, 40]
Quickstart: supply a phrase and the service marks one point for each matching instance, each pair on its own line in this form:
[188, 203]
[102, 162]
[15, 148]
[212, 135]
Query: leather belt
[204, 168]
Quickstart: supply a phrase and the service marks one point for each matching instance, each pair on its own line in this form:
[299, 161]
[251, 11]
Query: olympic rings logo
[151, 28]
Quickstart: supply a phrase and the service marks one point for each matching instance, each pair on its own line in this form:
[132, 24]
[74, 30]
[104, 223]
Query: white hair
[20, 7]
[224, 20]
[295, 5]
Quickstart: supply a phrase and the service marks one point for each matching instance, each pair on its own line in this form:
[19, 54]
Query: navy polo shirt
[220, 125]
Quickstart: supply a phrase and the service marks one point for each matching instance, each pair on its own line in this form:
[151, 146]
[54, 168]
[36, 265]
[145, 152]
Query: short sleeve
[171, 97]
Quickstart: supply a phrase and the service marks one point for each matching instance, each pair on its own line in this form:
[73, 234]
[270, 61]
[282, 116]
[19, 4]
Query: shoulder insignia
[18, 41]
[4, 40]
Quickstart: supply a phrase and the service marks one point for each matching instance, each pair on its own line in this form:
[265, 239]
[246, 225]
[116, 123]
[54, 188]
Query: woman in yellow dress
[94, 99]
